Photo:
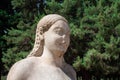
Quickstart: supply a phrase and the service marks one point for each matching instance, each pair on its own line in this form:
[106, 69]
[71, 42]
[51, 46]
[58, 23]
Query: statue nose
[64, 39]
[64, 36]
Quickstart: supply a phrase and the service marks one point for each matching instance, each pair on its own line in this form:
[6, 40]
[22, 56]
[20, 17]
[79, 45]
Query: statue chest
[45, 72]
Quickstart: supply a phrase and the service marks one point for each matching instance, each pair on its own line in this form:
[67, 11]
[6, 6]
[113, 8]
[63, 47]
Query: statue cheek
[58, 39]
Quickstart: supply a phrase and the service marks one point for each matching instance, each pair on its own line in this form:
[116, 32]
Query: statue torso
[34, 69]
[48, 72]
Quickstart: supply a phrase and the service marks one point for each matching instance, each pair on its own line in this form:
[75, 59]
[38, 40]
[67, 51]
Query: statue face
[57, 38]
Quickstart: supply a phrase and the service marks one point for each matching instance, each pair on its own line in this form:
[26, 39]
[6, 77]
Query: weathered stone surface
[46, 62]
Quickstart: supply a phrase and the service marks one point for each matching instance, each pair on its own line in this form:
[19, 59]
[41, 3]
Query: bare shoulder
[71, 71]
[24, 63]
[21, 68]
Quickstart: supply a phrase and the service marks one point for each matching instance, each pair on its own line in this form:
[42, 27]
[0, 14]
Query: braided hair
[43, 25]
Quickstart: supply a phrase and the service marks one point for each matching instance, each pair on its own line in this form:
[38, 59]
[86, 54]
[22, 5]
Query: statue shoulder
[70, 70]
[24, 63]
[21, 68]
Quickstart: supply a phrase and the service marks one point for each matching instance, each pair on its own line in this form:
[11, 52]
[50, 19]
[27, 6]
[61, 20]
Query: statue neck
[54, 58]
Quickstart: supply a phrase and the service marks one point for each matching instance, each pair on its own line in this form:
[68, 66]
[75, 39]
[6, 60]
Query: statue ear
[44, 35]
[41, 37]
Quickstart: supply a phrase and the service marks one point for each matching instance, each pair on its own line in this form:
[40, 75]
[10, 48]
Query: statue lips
[62, 46]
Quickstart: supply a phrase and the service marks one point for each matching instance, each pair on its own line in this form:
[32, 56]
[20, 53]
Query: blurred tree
[101, 49]
[18, 29]
[7, 20]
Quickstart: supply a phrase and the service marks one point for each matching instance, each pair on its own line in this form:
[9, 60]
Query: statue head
[52, 31]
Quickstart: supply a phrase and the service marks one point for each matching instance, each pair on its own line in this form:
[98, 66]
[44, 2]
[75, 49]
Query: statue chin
[60, 49]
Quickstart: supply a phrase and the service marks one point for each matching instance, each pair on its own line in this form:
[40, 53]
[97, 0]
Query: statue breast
[47, 72]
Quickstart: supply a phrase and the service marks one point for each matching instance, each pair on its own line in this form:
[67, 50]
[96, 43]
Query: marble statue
[46, 61]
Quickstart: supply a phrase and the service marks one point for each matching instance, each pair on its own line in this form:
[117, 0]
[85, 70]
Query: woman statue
[46, 62]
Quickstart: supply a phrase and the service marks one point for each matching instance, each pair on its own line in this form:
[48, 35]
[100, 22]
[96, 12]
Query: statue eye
[59, 31]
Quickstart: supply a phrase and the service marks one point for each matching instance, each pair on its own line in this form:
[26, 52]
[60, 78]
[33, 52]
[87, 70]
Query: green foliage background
[95, 34]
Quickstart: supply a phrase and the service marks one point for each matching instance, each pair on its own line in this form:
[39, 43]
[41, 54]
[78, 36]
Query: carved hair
[43, 25]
